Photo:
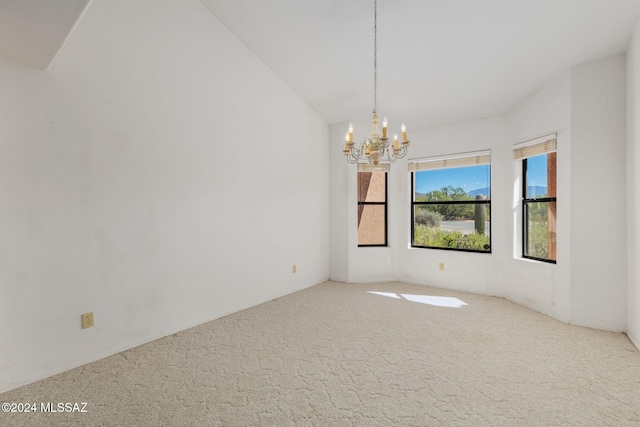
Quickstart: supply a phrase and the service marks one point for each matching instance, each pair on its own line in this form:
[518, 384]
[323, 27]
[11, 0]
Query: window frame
[525, 208]
[386, 210]
[486, 202]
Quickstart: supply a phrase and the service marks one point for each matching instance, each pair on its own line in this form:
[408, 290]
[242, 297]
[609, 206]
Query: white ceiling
[32, 31]
[439, 61]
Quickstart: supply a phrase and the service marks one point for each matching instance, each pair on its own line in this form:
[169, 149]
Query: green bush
[538, 240]
[448, 194]
[439, 238]
[427, 217]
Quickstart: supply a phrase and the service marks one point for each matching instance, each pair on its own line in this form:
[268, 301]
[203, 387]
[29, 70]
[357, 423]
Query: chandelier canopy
[376, 147]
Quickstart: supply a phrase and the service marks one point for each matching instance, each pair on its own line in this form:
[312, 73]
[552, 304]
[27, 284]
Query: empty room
[319, 212]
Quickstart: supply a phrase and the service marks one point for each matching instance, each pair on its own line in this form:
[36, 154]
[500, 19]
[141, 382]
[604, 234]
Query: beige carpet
[339, 355]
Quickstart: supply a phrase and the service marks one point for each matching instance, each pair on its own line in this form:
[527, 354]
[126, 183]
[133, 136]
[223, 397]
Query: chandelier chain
[377, 146]
[375, 55]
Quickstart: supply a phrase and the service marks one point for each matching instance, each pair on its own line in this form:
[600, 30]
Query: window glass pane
[453, 184]
[454, 226]
[441, 222]
[540, 220]
[371, 225]
[541, 176]
[371, 187]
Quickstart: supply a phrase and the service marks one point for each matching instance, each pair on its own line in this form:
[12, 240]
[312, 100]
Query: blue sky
[476, 177]
[537, 171]
[469, 178]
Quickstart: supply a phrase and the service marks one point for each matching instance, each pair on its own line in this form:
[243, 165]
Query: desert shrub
[437, 237]
[427, 217]
[538, 240]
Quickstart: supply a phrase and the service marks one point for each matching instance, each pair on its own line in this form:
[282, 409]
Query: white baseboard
[634, 340]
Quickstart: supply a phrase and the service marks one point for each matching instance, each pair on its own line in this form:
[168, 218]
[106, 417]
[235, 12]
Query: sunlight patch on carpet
[450, 302]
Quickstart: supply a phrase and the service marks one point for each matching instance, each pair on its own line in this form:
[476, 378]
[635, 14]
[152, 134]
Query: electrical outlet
[87, 320]
[441, 265]
[294, 269]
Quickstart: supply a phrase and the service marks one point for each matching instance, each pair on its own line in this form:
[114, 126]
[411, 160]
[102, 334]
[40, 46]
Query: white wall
[544, 287]
[349, 263]
[340, 182]
[368, 264]
[598, 168]
[159, 175]
[541, 286]
[587, 285]
[463, 271]
[633, 188]
[586, 107]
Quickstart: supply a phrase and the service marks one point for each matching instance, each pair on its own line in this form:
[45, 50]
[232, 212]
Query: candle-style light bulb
[350, 133]
[404, 133]
[384, 127]
[395, 141]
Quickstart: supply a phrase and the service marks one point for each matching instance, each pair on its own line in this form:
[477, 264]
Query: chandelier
[375, 147]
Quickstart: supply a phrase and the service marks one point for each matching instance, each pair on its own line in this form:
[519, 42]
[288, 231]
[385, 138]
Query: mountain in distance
[533, 191]
[536, 191]
[484, 191]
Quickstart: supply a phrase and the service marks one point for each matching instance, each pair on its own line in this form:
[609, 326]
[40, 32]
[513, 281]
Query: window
[539, 200]
[451, 202]
[372, 205]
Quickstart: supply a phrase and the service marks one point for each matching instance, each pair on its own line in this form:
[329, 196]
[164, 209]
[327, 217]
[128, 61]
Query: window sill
[535, 261]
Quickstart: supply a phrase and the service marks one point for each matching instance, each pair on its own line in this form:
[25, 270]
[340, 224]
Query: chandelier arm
[402, 151]
[354, 155]
[391, 155]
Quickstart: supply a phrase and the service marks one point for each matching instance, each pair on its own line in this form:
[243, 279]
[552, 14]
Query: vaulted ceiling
[33, 31]
[438, 61]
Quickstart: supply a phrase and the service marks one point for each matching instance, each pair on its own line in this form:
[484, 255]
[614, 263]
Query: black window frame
[460, 202]
[525, 208]
[386, 211]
